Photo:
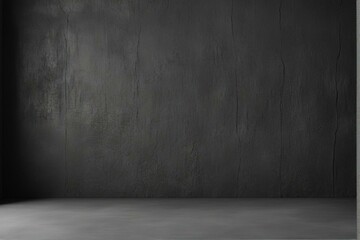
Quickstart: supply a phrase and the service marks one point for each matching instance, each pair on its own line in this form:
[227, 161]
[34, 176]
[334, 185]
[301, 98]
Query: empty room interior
[178, 119]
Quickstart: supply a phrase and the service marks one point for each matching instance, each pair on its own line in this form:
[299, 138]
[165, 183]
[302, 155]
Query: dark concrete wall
[1, 109]
[204, 98]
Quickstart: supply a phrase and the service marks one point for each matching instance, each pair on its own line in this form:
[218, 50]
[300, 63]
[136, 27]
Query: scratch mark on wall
[236, 60]
[137, 64]
[236, 88]
[103, 79]
[65, 95]
[281, 105]
[336, 100]
[195, 171]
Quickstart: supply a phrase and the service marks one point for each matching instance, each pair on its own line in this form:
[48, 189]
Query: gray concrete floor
[108, 219]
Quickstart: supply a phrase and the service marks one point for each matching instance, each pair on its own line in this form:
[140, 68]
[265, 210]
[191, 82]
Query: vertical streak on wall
[358, 117]
[336, 80]
[281, 101]
[137, 76]
[236, 91]
[65, 76]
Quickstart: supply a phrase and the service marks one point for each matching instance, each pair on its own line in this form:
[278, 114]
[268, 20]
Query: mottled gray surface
[358, 112]
[144, 219]
[183, 98]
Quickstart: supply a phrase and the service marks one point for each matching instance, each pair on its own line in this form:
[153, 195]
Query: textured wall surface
[187, 98]
[1, 109]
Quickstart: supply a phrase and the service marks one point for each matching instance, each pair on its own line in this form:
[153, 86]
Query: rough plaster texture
[180, 98]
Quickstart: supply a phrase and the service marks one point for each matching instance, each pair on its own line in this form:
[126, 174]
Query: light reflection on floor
[129, 219]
